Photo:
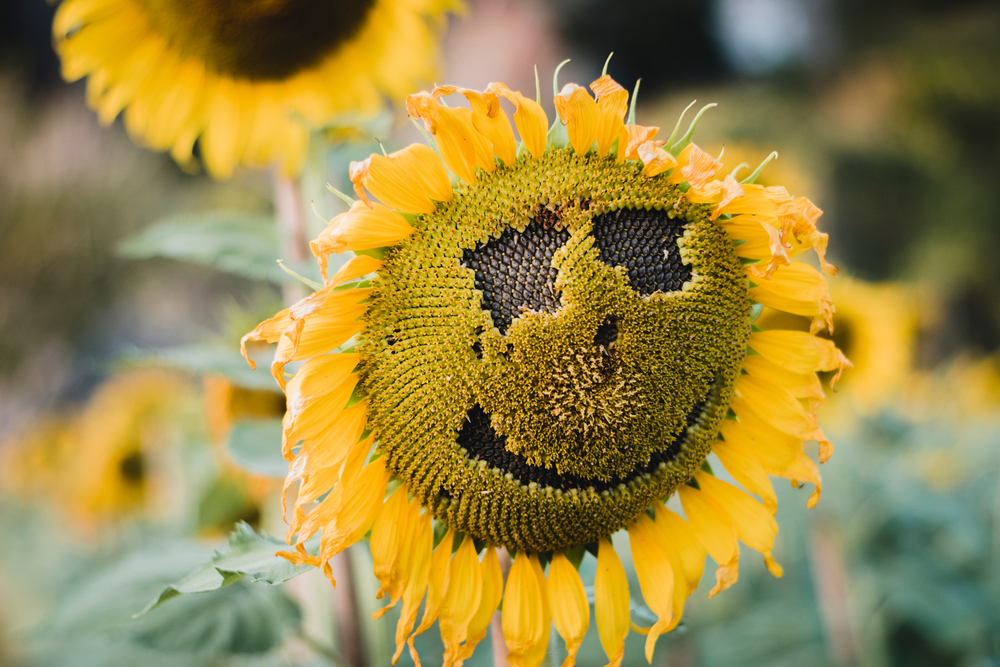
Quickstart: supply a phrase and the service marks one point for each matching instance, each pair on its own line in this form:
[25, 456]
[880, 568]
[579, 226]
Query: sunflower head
[539, 343]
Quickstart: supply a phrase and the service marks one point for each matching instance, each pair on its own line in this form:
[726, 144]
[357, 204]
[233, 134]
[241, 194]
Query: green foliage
[250, 554]
[242, 619]
[239, 243]
[208, 359]
[253, 444]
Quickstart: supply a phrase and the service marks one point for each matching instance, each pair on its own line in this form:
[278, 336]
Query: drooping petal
[523, 611]
[568, 599]
[745, 467]
[611, 598]
[686, 553]
[578, 112]
[415, 572]
[713, 527]
[436, 586]
[755, 526]
[461, 600]
[491, 120]
[492, 594]
[536, 654]
[762, 241]
[387, 542]
[656, 577]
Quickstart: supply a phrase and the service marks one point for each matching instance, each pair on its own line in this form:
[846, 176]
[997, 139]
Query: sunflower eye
[514, 271]
[645, 243]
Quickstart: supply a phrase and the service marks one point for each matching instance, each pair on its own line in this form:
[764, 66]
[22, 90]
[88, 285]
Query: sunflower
[247, 80]
[539, 352]
[103, 462]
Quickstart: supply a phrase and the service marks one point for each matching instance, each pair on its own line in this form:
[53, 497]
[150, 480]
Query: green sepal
[707, 467]
[575, 555]
[755, 311]
[302, 279]
[377, 253]
[557, 138]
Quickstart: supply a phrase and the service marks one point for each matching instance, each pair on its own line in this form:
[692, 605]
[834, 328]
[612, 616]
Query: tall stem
[496, 623]
[292, 230]
[294, 235]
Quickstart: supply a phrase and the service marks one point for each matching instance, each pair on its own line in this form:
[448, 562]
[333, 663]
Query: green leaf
[244, 244]
[216, 359]
[255, 445]
[250, 554]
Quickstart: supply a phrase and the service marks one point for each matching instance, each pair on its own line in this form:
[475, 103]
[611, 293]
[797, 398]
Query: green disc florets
[554, 349]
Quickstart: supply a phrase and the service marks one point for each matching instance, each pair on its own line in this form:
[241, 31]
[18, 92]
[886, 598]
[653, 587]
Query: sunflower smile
[483, 445]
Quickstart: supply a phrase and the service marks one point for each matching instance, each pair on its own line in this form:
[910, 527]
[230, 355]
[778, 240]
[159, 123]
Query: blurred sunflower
[541, 356]
[100, 463]
[248, 80]
[226, 403]
[876, 327]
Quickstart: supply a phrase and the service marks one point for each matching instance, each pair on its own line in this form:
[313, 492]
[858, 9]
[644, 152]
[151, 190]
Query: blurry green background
[887, 115]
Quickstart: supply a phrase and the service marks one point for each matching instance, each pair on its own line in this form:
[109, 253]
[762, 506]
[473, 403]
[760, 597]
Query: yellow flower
[540, 357]
[876, 327]
[102, 463]
[246, 80]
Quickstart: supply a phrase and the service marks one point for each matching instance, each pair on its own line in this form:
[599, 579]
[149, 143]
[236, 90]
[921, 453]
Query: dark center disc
[257, 39]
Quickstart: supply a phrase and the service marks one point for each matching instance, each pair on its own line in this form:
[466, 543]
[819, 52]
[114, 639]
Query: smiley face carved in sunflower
[541, 356]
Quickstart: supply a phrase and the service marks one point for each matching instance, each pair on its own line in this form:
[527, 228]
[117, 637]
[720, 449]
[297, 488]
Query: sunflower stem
[346, 611]
[291, 229]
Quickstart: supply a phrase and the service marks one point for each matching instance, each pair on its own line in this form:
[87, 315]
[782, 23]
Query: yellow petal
[774, 449]
[686, 554]
[409, 180]
[536, 654]
[492, 594]
[364, 228]
[800, 385]
[416, 569]
[713, 527]
[611, 598]
[755, 526]
[570, 609]
[631, 137]
[612, 102]
[804, 470]
[523, 610]
[530, 119]
[437, 583]
[656, 577]
[800, 289]
[461, 600]
[453, 131]
[694, 166]
[778, 407]
[578, 112]
[763, 241]
[489, 118]
[799, 351]
[655, 159]
[743, 464]
[387, 538]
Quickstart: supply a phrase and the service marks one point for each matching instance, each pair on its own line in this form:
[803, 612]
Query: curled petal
[694, 166]
[452, 129]
[409, 180]
[612, 103]
[530, 119]
[799, 351]
[655, 159]
[799, 289]
[578, 112]
[656, 577]
[631, 137]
